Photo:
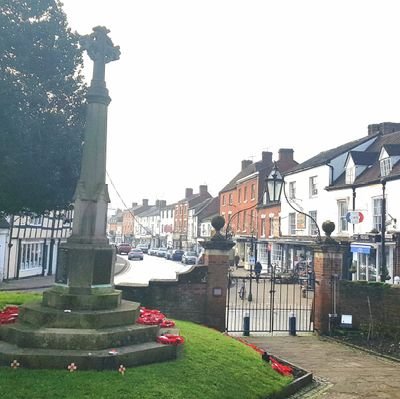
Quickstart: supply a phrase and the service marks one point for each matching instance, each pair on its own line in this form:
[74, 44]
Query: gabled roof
[392, 149]
[363, 157]
[4, 224]
[326, 156]
[209, 207]
[152, 211]
[372, 174]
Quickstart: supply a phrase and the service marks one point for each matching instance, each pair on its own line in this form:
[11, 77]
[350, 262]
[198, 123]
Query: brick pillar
[216, 258]
[328, 263]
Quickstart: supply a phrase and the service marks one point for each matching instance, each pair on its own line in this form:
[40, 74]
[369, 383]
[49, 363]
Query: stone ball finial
[328, 227]
[218, 222]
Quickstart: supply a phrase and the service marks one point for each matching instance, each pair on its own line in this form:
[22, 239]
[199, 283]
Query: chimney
[145, 202]
[134, 204]
[266, 157]
[383, 128]
[163, 203]
[246, 163]
[286, 154]
[158, 203]
[203, 189]
[188, 192]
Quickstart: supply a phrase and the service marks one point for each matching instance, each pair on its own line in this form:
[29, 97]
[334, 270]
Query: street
[151, 267]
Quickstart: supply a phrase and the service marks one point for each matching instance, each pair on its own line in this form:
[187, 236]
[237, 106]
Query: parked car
[169, 253]
[152, 251]
[161, 252]
[143, 247]
[177, 254]
[189, 258]
[123, 248]
[135, 253]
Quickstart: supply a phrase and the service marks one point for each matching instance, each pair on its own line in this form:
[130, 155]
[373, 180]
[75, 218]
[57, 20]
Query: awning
[361, 249]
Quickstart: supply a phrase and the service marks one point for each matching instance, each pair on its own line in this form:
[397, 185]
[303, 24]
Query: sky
[202, 85]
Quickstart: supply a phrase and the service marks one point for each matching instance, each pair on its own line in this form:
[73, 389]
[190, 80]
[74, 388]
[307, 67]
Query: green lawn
[212, 366]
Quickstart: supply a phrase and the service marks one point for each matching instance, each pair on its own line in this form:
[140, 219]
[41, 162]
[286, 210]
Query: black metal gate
[267, 303]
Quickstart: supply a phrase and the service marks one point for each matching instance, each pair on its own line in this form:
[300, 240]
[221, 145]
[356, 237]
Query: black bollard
[292, 324]
[246, 326]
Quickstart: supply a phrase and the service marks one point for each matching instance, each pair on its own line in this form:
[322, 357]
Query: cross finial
[100, 49]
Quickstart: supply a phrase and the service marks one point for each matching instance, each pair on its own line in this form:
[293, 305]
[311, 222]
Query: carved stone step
[129, 356]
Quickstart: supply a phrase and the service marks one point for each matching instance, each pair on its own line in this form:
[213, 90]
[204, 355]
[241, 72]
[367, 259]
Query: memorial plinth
[82, 318]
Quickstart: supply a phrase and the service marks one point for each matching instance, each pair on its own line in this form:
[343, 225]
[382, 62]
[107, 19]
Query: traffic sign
[252, 260]
[354, 217]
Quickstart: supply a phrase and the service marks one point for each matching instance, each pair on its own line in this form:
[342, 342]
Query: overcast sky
[202, 85]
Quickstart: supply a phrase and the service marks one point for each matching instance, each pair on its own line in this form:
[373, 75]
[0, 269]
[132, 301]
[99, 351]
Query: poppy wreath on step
[9, 315]
[167, 323]
[280, 368]
[150, 316]
[170, 339]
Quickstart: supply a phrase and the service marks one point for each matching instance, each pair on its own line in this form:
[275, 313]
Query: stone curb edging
[369, 351]
[305, 379]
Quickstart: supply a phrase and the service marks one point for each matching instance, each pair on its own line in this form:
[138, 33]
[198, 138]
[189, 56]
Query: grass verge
[212, 366]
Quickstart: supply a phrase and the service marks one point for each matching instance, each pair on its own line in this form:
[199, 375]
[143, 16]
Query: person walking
[257, 270]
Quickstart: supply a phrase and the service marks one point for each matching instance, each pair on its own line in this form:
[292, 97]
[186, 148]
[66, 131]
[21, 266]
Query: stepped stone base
[131, 355]
[47, 337]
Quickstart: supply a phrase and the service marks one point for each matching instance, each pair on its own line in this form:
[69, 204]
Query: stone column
[216, 258]
[85, 263]
[328, 264]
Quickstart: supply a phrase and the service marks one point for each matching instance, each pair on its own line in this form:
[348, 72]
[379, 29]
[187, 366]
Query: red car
[123, 248]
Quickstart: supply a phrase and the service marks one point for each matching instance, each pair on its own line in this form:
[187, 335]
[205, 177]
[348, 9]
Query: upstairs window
[253, 191]
[386, 166]
[245, 194]
[292, 223]
[223, 200]
[350, 174]
[377, 213]
[230, 199]
[239, 195]
[342, 212]
[313, 186]
[292, 190]
[313, 229]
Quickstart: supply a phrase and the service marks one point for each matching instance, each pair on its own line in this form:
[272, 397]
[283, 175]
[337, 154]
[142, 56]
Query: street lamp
[275, 184]
[384, 271]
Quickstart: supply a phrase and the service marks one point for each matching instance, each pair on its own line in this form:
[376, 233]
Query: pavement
[40, 283]
[341, 372]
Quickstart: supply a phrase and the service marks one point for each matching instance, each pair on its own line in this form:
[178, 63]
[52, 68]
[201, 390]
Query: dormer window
[386, 166]
[350, 174]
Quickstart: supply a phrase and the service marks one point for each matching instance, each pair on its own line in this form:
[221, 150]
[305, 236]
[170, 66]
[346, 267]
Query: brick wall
[383, 307]
[184, 299]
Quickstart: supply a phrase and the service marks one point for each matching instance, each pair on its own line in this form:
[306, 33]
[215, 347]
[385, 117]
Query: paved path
[349, 373]
[39, 283]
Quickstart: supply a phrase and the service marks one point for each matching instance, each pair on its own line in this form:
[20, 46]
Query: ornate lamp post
[384, 272]
[275, 184]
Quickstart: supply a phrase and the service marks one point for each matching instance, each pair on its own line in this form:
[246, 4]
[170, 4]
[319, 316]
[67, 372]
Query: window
[350, 174]
[239, 195]
[292, 223]
[251, 220]
[245, 194]
[35, 220]
[292, 190]
[223, 200]
[386, 166]
[262, 226]
[342, 212]
[313, 186]
[230, 199]
[238, 222]
[253, 191]
[377, 213]
[31, 255]
[244, 221]
[271, 227]
[312, 226]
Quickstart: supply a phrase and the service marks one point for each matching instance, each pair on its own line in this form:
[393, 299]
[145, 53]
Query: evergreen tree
[42, 106]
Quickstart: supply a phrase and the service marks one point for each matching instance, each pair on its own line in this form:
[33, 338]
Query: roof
[326, 156]
[208, 207]
[372, 174]
[363, 157]
[4, 224]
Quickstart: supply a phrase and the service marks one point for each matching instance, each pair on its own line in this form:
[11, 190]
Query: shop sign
[367, 237]
[301, 221]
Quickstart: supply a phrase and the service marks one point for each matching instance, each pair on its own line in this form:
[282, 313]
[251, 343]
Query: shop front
[366, 252]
